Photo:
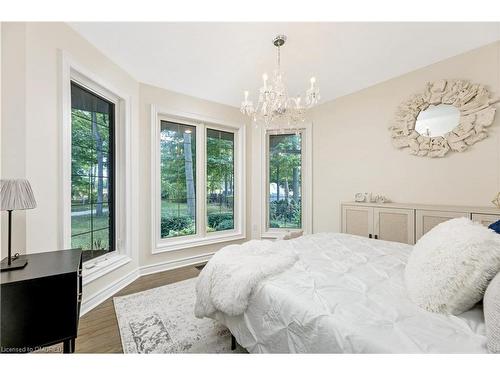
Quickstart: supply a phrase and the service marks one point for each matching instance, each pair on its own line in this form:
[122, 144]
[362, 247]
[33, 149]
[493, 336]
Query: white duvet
[346, 294]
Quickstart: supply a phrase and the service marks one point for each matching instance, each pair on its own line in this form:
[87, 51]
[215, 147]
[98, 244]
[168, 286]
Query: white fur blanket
[229, 278]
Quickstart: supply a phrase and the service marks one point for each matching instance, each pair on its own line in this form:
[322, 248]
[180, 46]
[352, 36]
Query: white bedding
[346, 294]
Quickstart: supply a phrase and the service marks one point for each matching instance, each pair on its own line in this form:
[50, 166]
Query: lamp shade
[16, 194]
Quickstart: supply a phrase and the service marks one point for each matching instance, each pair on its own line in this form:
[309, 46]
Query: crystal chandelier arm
[273, 105]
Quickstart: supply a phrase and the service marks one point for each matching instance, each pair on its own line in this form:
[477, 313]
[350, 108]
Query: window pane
[178, 179]
[91, 167]
[80, 190]
[83, 241]
[220, 180]
[81, 219]
[285, 180]
[101, 217]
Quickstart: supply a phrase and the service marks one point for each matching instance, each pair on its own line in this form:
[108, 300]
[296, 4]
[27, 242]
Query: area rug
[161, 320]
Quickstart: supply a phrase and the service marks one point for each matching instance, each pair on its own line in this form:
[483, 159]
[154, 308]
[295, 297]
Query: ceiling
[217, 61]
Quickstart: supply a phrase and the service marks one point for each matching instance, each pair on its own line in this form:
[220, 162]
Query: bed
[346, 294]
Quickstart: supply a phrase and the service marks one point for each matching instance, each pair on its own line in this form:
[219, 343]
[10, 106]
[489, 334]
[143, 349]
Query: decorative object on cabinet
[370, 198]
[40, 304]
[380, 199]
[360, 197]
[405, 222]
[448, 115]
[496, 200]
[15, 194]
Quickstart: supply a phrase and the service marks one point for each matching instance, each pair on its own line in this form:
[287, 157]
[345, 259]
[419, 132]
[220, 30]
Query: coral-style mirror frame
[476, 115]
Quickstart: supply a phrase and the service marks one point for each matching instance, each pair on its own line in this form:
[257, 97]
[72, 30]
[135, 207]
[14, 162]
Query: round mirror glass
[437, 120]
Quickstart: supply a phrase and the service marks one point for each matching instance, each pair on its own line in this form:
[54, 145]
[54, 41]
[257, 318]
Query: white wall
[353, 150]
[13, 115]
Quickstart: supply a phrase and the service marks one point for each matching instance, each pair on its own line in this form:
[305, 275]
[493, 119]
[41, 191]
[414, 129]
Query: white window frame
[202, 237]
[306, 183]
[72, 71]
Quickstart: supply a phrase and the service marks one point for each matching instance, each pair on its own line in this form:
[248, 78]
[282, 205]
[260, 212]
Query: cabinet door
[427, 219]
[357, 220]
[485, 219]
[394, 224]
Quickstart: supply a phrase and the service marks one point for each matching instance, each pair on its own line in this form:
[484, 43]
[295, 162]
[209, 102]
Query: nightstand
[40, 304]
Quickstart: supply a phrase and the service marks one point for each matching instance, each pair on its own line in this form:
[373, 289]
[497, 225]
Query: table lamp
[15, 194]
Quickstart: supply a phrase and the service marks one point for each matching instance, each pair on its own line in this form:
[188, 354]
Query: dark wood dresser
[40, 304]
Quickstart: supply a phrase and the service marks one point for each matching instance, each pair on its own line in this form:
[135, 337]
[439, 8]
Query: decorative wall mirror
[448, 115]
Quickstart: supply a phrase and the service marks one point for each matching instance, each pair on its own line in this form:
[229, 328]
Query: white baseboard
[99, 297]
[102, 295]
[173, 264]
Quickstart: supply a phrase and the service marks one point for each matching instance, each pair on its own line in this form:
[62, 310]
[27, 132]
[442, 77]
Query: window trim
[160, 245]
[73, 71]
[306, 183]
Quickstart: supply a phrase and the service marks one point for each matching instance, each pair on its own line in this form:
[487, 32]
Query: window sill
[96, 268]
[194, 242]
[277, 234]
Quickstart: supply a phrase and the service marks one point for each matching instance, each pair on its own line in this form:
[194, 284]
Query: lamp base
[15, 264]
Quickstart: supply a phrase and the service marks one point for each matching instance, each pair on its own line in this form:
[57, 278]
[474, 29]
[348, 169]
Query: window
[284, 176]
[178, 179]
[92, 173]
[220, 180]
[197, 186]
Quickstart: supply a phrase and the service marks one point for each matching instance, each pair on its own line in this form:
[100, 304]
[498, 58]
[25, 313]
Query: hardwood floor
[98, 330]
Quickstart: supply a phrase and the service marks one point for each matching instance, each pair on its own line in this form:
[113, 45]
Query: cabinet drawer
[428, 219]
[395, 224]
[357, 220]
[485, 219]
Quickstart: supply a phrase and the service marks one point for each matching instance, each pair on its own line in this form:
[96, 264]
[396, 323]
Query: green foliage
[284, 157]
[172, 161]
[220, 162]
[286, 214]
[274, 224]
[225, 225]
[216, 218]
[174, 226]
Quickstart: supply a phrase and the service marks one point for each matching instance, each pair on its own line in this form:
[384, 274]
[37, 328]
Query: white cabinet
[390, 224]
[485, 219]
[394, 224]
[357, 220]
[428, 219]
[406, 223]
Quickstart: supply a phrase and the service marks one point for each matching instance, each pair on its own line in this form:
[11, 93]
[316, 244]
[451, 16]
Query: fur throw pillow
[451, 266]
[491, 306]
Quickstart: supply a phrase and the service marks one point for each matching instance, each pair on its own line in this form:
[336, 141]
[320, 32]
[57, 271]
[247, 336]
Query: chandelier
[275, 108]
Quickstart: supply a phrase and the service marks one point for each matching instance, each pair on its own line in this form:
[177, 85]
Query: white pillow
[451, 266]
[491, 307]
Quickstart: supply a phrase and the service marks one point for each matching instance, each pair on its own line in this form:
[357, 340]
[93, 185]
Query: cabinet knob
[370, 235]
[376, 236]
